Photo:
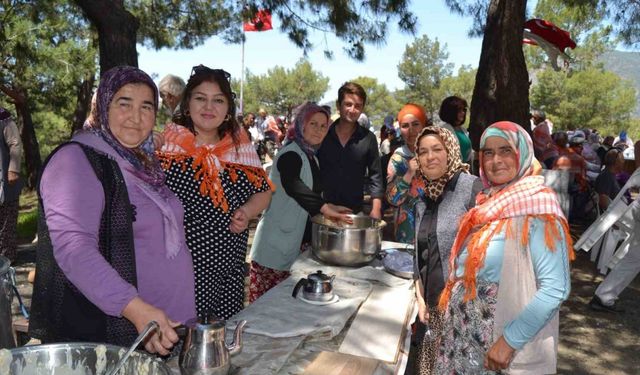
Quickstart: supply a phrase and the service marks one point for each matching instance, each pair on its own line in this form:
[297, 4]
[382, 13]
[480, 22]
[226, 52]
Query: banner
[261, 22]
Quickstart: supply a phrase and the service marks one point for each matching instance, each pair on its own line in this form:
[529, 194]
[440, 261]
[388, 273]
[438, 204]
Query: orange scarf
[210, 160]
[526, 197]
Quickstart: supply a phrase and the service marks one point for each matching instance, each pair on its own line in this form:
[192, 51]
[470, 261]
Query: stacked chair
[608, 238]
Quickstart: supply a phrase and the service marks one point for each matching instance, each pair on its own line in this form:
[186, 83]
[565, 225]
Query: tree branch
[18, 98]
[307, 23]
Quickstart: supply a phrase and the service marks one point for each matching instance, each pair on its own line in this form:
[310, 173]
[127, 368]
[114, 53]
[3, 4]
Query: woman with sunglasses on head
[213, 168]
[509, 267]
[111, 246]
[285, 227]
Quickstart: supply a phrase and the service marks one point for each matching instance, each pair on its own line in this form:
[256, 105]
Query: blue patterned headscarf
[302, 114]
[518, 139]
[142, 157]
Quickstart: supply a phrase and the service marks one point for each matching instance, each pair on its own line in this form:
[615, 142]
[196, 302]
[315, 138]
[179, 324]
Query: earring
[227, 117]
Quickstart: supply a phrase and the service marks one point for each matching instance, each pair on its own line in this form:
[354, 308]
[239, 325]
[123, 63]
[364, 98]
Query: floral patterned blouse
[402, 195]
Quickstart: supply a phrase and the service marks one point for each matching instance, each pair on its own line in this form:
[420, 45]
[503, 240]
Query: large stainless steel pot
[7, 279]
[346, 245]
[79, 358]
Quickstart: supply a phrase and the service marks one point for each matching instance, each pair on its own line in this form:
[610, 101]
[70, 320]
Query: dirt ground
[594, 342]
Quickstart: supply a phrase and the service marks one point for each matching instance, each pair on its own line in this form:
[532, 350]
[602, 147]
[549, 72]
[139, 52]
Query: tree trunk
[32, 158]
[30, 146]
[83, 104]
[501, 91]
[117, 30]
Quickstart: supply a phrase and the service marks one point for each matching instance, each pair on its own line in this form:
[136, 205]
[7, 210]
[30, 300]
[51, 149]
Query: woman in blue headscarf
[285, 226]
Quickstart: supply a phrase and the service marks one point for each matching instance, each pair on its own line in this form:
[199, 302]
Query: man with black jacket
[348, 153]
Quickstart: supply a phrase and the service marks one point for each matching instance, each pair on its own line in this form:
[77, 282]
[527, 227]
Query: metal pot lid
[204, 322]
[319, 277]
[399, 263]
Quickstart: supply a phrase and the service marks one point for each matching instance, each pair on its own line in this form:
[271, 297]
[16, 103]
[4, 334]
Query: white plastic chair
[618, 212]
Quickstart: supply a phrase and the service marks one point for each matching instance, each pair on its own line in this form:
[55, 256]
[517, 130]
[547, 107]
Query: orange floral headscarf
[413, 109]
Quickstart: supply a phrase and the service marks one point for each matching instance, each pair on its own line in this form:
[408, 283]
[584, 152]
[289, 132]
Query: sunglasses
[201, 69]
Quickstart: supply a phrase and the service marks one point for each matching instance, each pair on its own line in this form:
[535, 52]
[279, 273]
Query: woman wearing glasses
[509, 267]
[285, 226]
[213, 168]
[453, 111]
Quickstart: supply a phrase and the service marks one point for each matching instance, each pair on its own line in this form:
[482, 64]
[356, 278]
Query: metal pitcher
[204, 351]
[7, 282]
[316, 287]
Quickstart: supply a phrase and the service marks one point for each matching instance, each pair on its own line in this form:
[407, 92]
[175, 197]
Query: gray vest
[276, 243]
[454, 204]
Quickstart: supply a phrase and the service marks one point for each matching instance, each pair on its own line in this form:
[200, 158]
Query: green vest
[277, 240]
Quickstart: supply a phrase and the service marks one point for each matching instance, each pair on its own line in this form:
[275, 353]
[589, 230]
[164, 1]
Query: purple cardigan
[73, 202]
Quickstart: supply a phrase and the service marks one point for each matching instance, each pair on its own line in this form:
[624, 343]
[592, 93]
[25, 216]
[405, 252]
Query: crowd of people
[138, 225]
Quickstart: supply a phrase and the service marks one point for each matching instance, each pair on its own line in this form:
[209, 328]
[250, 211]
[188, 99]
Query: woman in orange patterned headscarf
[212, 167]
[402, 168]
[509, 266]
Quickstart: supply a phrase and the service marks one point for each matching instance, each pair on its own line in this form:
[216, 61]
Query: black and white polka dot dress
[218, 254]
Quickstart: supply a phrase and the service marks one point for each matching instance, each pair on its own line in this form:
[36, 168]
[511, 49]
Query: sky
[265, 50]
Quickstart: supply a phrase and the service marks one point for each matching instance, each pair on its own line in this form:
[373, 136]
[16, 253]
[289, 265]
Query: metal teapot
[316, 287]
[204, 351]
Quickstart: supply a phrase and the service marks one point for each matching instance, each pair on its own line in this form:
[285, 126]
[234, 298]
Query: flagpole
[242, 66]
[242, 76]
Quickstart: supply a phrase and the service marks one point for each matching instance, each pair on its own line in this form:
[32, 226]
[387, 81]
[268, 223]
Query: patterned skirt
[467, 331]
[261, 279]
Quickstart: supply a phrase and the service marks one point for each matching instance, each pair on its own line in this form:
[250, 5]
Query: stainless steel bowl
[44, 359]
[346, 245]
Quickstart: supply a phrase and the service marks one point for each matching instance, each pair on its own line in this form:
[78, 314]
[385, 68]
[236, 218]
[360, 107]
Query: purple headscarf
[4, 114]
[302, 114]
[148, 170]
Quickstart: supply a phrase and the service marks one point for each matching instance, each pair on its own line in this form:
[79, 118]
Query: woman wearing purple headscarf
[111, 254]
[285, 226]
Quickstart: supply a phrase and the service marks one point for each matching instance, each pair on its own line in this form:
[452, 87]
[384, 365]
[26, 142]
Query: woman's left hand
[499, 355]
[239, 220]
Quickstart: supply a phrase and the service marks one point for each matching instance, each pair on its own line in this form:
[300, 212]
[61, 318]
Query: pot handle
[181, 331]
[300, 283]
[330, 231]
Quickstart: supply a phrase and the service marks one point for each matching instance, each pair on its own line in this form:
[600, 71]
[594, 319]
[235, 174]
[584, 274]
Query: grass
[27, 216]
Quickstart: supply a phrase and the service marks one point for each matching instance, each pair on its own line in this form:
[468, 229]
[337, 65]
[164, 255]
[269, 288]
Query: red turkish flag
[261, 22]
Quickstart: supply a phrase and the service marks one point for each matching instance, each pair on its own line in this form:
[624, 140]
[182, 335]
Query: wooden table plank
[377, 330]
[341, 364]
